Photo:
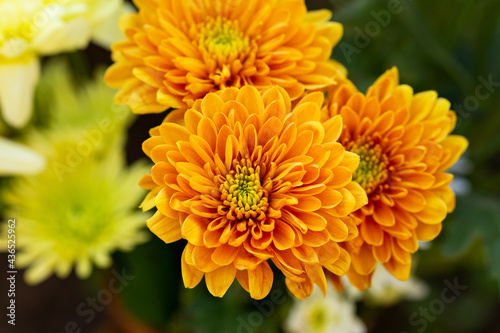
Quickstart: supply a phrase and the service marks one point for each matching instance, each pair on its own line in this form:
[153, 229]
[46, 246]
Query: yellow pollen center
[242, 194]
[372, 170]
[223, 39]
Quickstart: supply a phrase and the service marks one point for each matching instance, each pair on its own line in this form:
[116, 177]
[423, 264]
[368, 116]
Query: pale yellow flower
[78, 222]
[16, 159]
[84, 206]
[30, 29]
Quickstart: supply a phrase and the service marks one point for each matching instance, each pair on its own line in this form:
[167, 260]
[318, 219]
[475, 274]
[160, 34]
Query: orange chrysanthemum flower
[244, 179]
[405, 148]
[177, 51]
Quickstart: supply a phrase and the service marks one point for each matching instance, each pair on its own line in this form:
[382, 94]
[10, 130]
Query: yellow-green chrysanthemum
[83, 206]
[83, 115]
[77, 222]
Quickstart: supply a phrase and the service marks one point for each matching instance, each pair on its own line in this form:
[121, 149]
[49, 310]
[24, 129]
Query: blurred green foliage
[153, 295]
[452, 47]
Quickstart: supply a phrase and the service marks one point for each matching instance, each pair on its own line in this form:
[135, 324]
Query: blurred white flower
[424, 245]
[460, 184]
[386, 290]
[318, 314]
[16, 159]
[33, 28]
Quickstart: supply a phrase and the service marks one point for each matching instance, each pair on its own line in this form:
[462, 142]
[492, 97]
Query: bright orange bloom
[177, 51]
[405, 148]
[244, 179]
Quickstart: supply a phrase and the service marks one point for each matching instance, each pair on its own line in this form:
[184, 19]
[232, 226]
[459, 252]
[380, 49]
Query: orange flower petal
[211, 104]
[404, 147]
[336, 228]
[219, 280]
[301, 290]
[317, 276]
[260, 281]
[250, 98]
[399, 254]
[435, 210]
[427, 232]
[371, 232]
[333, 129]
[409, 244]
[363, 262]
[341, 265]
[359, 281]
[190, 275]
[399, 271]
[225, 254]
[163, 203]
[346, 205]
[383, 215]
[166, 229]
[413, 202]
[202, 259]
[456, 145]
[283, 236]
[383, 252]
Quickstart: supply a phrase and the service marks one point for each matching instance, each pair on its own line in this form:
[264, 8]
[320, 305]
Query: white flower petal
[104, 10]
[386, 290]
[10, 17]
[17, 86]
[16, 159]
[107, 31]
[318, 314]
[59, 36]
[14, 47]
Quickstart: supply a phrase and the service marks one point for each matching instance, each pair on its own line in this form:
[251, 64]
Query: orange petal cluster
[247, 180]
[405, 148]
[177, 51]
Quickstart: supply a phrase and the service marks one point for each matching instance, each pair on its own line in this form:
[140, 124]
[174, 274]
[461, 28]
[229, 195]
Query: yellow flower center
[242, 194]
[372, 169]
[223, 39]
[318, 317]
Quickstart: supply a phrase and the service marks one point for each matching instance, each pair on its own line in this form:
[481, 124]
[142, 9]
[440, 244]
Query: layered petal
[192, 50]
[404, 147]
[247, 179]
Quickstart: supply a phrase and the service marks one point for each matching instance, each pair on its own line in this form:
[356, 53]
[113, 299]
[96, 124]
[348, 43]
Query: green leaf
[235, 312]
[476, 217]
[495, 262]
[152, 296]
